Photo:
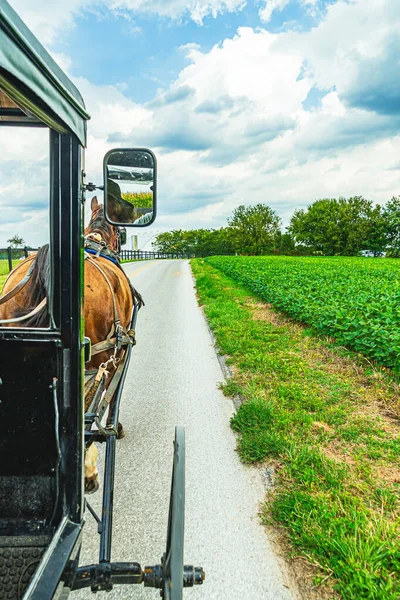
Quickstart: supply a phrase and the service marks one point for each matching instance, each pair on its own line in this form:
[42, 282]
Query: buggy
[46, 428]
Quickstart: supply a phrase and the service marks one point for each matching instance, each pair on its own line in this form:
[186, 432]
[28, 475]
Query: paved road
[173, 379]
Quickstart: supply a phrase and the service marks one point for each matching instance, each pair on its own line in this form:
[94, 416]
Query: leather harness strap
[117, 327]
[30, 314]
[14, 291]
[110, 341]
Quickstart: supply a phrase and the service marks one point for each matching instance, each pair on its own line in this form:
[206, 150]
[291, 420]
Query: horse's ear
[94, 204]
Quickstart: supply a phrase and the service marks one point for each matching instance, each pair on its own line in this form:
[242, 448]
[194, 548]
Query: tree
[16, 241]
[200, 242]
[391, 214]
[284, 243]
[254, 228]
[334, 226]
[377, 233]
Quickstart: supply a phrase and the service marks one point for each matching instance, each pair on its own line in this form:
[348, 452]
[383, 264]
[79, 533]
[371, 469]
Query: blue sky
[275, 101]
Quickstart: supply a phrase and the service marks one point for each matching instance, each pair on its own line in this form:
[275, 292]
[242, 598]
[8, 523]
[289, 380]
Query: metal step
[19, 558]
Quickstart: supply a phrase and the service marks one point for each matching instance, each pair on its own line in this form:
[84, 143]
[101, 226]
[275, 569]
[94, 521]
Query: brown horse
[108, 298]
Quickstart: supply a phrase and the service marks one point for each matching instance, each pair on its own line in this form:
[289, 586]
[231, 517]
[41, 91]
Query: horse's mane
[39, 288]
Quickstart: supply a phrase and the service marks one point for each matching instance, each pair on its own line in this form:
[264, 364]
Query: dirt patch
[336, 453]
[301, 572]
[263, 311]
[389, 475]
[317, 426]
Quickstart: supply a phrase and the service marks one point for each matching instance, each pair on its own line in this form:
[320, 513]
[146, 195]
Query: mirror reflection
[130, 186]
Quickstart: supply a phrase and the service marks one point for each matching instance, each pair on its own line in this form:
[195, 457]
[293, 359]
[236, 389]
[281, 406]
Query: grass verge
[327, 421]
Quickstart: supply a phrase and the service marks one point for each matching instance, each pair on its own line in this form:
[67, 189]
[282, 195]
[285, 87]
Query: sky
[273, 101]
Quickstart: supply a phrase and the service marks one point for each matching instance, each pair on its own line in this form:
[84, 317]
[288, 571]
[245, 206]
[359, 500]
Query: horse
[108, 299]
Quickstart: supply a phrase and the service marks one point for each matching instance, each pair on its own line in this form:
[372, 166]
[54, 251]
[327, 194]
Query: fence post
[9, 254]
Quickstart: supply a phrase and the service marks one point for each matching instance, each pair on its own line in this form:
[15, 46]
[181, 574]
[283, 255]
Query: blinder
[122, 235]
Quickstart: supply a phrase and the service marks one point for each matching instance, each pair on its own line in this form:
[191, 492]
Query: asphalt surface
[173, 380]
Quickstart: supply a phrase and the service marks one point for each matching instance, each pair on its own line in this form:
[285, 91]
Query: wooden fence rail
[11, 254]
[144, 255]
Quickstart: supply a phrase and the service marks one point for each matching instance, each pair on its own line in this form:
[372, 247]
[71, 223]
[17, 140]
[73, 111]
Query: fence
[16, 254]
[143, 255]
[11, 254]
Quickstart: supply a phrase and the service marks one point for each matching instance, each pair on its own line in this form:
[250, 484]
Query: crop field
[140, 199]
[354, 300]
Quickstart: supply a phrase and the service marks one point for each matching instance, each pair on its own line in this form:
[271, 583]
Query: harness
[117, 338]
[17, 288]
[94, 244]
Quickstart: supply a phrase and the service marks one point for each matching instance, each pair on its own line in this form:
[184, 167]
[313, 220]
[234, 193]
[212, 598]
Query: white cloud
[352, 32]
[232, 128]
[48, 17]
[176, 9]
[24, 190]
[270, 6]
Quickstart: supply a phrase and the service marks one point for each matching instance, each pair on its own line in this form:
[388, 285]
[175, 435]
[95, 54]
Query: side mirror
[130, 190]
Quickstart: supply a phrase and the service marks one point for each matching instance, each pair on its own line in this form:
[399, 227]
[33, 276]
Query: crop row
[354, 300]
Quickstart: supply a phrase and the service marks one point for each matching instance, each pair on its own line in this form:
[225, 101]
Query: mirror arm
[90, 187]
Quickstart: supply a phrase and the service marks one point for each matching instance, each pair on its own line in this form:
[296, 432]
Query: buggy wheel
[173, 557]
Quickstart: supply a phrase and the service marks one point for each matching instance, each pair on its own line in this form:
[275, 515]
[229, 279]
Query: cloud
[376, 87]
[182, 138]
[270, 6]
[261, 130]
[355, 50]
[47, 17]
[330, 133]
[175, 94]
[179, 9]
[281, 118]
[24, 186]
[215, 106]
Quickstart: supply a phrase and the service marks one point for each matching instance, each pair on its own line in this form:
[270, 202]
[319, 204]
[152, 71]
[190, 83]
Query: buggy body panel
[42, 369]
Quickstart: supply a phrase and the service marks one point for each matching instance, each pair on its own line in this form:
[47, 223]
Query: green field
[354, 300]
[323, 421]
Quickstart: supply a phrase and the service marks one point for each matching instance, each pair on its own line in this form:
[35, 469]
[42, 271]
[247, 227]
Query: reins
[33, 312]
[14, 291]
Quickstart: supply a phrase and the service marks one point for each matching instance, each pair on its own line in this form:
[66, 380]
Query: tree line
[328, 227]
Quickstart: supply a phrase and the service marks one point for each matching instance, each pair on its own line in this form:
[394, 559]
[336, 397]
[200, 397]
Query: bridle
[112, 244]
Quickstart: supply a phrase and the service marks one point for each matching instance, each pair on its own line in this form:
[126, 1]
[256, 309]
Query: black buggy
[45, 428]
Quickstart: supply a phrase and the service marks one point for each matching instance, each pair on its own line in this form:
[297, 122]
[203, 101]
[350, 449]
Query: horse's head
[118, 209]
[98, 225]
